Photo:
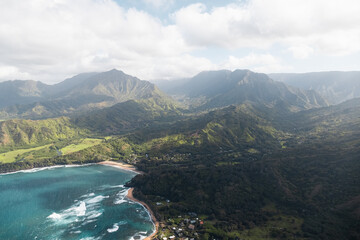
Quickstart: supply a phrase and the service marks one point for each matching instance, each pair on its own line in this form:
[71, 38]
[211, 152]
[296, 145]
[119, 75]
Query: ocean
[84, 202]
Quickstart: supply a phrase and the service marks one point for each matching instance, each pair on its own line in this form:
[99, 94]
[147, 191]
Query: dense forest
[264, 168]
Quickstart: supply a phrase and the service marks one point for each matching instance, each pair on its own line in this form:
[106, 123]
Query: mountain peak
[114, 70]
[242, 71]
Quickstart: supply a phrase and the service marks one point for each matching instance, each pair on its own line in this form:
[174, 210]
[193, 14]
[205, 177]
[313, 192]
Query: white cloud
[265, 63]
[50, 40]
[13, 73]
[301, 51]
[60, 38]
[329, 26]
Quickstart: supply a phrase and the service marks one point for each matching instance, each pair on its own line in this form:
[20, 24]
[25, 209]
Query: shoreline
[120, 165]
[130, 196]
[37, 169]
[153, 218]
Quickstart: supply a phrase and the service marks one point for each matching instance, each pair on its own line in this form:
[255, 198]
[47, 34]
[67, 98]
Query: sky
[51, 40]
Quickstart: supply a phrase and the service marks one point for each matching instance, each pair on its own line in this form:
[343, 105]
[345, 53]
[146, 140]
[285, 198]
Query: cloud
[50, 40]
[328, 26]
[265, 63]
[7, 72]
[179, 66]
[53, 39]
[301, 51]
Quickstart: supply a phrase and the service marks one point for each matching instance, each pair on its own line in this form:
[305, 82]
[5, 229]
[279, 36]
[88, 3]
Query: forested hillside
[258, 160]
[18, 133]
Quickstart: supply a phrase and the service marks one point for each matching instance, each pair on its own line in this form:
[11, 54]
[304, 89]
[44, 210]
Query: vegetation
[129, 115]
[24, 133]
[254, 170]
[213, 89]
[80, 94]
[312, 184]
[17, 155]
[80, 145]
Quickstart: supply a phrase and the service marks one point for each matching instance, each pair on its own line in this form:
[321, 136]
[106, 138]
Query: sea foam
[54, 216]
[114, 228]
[33, 170]
[120, 197]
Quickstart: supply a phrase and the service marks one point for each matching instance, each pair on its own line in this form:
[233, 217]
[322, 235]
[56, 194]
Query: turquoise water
[70, 203]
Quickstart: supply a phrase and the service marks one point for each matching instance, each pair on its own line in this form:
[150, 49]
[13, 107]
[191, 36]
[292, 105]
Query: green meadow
[12, 156]
[82, 144]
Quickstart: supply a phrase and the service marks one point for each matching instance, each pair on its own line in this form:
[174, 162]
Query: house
[191, 227]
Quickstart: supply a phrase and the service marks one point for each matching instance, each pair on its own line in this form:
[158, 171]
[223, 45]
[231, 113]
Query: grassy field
[45, 150]
[84, 143]
[12, 155]
[281, 226]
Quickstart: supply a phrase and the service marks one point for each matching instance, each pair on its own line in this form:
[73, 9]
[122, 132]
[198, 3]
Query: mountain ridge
[82, 93]
[336, 86]
[212, 89]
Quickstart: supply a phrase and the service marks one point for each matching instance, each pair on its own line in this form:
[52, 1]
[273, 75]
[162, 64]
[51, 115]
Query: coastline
[120, 165]
[153, 219]
[130, 196]
[37, 169]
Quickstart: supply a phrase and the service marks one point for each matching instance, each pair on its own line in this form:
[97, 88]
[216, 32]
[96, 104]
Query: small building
[191, 227]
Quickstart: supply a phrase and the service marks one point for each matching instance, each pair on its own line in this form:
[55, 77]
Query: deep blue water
[70, 203]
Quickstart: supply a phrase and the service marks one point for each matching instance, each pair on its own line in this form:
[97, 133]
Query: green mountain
[115, 85]
[336, 87]
[130, 115]
[215, 89]
[61, 88]
[264, 161]
[253, 175]
[17, 133]
[83, 93]
[234, 128]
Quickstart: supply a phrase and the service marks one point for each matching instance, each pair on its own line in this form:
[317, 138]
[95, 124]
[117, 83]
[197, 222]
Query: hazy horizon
[172, 79]
[50, 41]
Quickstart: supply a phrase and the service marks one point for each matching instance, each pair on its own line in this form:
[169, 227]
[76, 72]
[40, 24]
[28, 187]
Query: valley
[241, 155]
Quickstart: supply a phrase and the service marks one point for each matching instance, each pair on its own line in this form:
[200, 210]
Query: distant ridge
[21, 92]
[336, 86]
[81, 93]
[214, 89]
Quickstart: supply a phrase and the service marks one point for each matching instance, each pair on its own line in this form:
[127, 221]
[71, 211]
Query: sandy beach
[130, 192]
[124, 166]
[130, 196]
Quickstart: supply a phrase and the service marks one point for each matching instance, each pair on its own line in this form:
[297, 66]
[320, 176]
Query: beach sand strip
[130, 192]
